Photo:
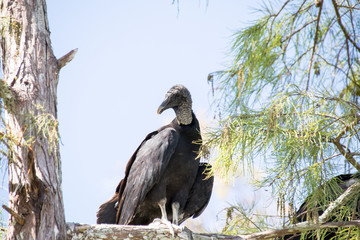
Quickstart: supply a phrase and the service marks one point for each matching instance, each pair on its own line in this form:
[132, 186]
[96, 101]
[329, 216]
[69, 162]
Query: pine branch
[321, 223]
[298, 30]
[345, 151]
[347, 154]
[340, 201]
[300, 227]
[315, 45]
[343, 29]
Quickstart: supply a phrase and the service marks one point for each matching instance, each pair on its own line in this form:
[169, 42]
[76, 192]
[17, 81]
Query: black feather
[164, 166]
[200, 193]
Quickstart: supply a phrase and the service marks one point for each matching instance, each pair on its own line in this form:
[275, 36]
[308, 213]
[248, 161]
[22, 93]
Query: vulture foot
[167, 223]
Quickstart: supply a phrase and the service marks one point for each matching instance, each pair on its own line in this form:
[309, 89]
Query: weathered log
[76, 231]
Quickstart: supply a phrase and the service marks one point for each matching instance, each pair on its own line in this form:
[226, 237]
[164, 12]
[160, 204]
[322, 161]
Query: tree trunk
[30, 71]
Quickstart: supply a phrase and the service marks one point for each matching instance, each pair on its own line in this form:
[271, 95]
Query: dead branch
[300, 227]
[67, 58]
[107, 231]
[340, 201]
[18, 218]
[77, 231]
[104, 231]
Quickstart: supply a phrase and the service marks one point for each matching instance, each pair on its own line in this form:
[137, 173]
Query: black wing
[107, 211]
[331, 192]
[343, 181]
[145, 169]
[200, 193]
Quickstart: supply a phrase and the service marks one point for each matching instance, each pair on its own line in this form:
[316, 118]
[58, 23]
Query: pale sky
[130, 52]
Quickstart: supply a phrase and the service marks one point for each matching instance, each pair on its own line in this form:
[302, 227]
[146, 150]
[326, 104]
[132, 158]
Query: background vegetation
[287, 104]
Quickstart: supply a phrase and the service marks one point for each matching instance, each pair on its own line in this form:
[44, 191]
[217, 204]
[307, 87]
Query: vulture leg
[175, 211]
[164, 220]
[163, 209]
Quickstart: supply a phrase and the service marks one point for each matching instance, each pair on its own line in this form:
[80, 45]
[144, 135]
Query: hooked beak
[163, 106]
[160, 110]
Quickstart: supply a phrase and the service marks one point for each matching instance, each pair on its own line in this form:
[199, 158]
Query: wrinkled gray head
[179, 99]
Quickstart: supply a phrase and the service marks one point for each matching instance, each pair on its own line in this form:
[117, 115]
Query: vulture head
[179, 99]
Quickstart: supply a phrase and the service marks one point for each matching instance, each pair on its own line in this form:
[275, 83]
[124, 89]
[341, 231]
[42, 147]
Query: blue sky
[129, 54]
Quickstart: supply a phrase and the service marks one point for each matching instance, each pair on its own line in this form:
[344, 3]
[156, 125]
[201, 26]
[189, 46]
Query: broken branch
[18, 218]
[67, 58]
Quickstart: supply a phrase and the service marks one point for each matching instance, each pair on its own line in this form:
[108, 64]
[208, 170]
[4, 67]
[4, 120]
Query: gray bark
[31, 70]
[77, 231]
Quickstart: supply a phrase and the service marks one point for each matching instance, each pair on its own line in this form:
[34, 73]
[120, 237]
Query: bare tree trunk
[31, 71]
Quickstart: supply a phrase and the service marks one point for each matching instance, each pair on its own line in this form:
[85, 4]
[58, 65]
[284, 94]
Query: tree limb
[346, 34]
[298, 30]
[343, 149]
[315, 44]
[67, 58]
[108, 231]
[104, 231]
[347, 154]
[18, 218]
[300, 227]
[320, 224]
[341, 200]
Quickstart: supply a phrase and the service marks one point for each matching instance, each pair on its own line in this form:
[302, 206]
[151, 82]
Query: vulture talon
[159, 221]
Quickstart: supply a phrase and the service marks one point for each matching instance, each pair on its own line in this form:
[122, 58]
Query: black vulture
[196, 203]
[332, 190]
[160, 175]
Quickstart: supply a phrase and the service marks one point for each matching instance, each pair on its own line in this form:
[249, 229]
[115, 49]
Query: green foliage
[6, 96]
[243, 219]
[6, 102]
[42, 128]
[14, 27]
[288, 103]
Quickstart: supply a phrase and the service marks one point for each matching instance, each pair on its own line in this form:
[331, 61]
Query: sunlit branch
[282, 8]
[340, 201]
[346, 34]
[347, 154]
[348, 7]
[315, 45]
[321, 224]
[339, 100]
[352, 19]
[345, 151]
[335, 66]
[274, 17]
[300, 227]
[300, 57]
[298, 30]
